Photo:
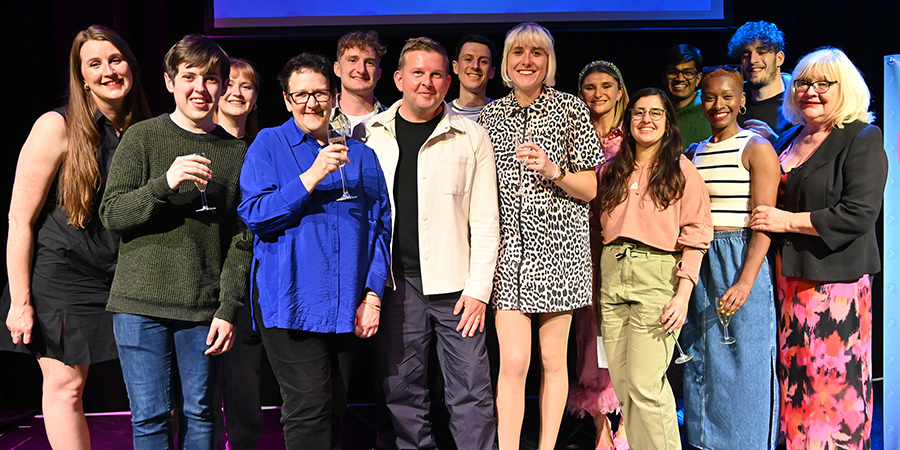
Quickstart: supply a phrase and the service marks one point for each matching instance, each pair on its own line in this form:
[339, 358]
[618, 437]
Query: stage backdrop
[892, 253]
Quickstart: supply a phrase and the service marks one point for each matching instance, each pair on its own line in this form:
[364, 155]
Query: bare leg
[604, 431]
[514, 336]
[554, 338]
[62, 404]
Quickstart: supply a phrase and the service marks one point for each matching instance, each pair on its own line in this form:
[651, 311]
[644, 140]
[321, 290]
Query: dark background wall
[36, 38]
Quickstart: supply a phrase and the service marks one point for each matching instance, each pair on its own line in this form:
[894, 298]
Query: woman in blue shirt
[320, 265]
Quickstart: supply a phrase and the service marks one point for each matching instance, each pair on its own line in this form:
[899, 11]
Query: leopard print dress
[544, 263]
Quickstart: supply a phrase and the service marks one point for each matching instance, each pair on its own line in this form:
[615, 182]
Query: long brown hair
[666, 183]
[79, 175]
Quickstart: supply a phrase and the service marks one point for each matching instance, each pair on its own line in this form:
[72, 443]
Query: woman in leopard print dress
[544, 267]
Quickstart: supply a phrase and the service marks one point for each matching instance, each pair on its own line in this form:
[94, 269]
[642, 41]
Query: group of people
[629, 217]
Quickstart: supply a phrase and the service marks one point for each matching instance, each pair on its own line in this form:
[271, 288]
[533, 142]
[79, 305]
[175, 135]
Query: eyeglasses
[688, 74]
[300, 98]
[821, 86]
[728, 67]
[655, 114]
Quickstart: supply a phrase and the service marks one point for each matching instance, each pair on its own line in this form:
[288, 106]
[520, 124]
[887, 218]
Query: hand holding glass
[202, 188]
[725, 320]
[338, 135]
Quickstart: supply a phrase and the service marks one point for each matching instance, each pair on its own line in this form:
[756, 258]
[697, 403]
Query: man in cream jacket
[440, 173]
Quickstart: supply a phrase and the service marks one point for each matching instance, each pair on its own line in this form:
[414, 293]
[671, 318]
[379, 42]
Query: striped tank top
[726, 179]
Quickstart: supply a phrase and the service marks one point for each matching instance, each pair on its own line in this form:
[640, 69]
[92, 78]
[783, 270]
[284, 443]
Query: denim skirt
[731, 391]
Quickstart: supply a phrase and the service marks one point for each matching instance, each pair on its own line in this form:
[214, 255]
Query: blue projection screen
[292, 13]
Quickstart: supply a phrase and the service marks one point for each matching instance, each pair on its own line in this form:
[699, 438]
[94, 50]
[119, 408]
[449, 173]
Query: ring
[16, 336]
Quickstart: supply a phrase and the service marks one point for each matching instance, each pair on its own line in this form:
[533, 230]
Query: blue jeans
[150, 351]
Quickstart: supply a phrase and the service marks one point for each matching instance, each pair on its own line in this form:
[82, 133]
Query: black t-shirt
[411, 137]
[769, 111]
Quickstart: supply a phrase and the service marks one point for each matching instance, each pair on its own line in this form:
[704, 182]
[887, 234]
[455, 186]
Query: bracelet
[372, 305]
[560, 174]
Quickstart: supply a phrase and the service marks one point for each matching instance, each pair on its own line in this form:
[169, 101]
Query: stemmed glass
[724, 319]
[683, 357]
[337, 134]
[524, 137]
[202, 188]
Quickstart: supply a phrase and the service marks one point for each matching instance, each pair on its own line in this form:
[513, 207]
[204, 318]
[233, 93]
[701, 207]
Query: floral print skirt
[825, 363]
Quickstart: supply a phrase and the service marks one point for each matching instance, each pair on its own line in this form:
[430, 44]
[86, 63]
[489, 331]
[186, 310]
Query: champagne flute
[522, 138]
[337, 134]
[683, 357]
[725, 320]
[202, 188]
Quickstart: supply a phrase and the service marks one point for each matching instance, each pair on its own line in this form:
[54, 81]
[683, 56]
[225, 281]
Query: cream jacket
[459, 231]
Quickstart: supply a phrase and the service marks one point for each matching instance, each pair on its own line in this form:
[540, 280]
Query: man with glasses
[320, 264]
[442, 178]
[760, 48]
[681, 78]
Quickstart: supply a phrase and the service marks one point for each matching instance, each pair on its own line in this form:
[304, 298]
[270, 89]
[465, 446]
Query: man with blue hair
[760, 48]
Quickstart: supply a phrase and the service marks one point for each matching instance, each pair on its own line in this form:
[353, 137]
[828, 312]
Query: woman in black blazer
[834, 170]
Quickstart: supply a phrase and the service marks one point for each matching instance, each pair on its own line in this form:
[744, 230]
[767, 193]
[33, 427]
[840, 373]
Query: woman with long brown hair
[60, 258]
[656, 225]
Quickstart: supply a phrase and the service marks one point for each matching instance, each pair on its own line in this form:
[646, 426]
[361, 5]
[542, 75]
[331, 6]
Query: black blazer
[842, 186]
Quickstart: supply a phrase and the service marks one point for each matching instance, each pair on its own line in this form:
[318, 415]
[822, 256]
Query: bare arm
[760, 159]
[581, 185]
[38, 164]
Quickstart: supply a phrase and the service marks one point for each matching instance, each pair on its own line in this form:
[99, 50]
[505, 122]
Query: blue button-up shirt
[314, 257]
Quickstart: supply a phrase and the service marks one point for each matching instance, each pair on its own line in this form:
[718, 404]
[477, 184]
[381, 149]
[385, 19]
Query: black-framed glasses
[729, 67]
[688, 74]
[300, 98]
[656, 114]
[821, 86]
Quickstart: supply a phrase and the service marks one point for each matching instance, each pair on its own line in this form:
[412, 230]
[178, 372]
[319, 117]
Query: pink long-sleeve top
[685, 226]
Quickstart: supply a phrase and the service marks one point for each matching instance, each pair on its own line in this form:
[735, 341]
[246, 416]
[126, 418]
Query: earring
[742, 110]
[86, 87]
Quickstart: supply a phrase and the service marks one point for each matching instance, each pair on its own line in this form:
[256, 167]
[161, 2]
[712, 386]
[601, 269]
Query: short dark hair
[762, 31]
[477, 39]
[197, 51]
[682, 53]
[362, 40]
[307, 61]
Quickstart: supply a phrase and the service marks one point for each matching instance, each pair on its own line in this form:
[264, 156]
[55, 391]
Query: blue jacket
[314, 257]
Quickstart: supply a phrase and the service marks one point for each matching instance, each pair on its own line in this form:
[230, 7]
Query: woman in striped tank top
[730, 391]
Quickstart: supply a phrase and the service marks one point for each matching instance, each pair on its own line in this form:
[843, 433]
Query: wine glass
[522, 138]
[683, 357]
[724, 319]
[337, 134]
[202, 188]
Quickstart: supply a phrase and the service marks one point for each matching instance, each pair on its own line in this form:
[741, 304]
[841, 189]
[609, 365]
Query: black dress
[71, 277]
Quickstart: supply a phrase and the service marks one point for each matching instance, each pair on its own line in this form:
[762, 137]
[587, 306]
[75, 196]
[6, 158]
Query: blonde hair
[533, 34]
[79, 174]
[832, 64]
[246, 68]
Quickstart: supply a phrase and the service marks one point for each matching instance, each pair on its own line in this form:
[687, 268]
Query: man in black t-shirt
[760, 48]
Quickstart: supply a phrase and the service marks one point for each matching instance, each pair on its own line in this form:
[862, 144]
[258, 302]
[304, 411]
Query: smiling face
[601, 92]
[761, 66]
[815, 107]
[527, 68]
[474, 67]
[240, 98]
[106, 73]
[424, 82]
[196, 96]
[358, 70]
[722, 97]
[311, 116]
[646, 131]
[679, 87]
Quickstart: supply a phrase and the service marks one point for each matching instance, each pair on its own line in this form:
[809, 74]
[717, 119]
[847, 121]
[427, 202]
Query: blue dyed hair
[762, 31]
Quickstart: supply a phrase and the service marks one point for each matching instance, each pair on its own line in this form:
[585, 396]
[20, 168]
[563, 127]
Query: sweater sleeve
[864, 174]
[233, 281]
[696, 231]
[270, 205]
[132, 198]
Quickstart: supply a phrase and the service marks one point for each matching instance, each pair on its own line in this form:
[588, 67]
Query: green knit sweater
[175, 262]
[692, 123]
